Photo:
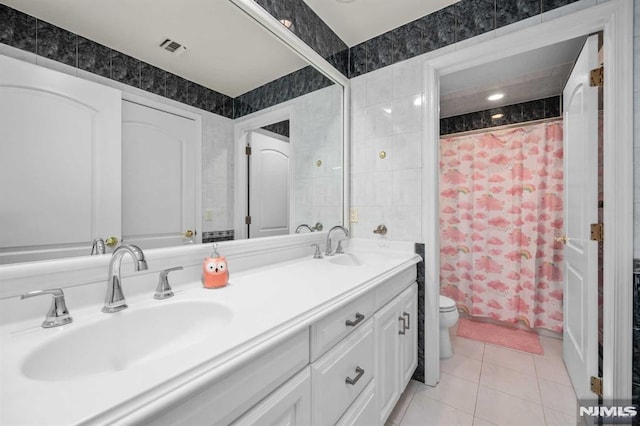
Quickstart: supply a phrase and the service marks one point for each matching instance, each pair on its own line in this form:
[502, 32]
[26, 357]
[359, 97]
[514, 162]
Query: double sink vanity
[291, 340]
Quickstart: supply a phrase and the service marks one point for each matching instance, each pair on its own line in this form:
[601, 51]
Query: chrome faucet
[304, 225]
[339, 248]
[115, 301]
[58, 313]
[97, 247]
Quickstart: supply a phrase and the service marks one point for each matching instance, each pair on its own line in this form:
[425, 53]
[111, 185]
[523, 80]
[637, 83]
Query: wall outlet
[353, 215]
[208, 215]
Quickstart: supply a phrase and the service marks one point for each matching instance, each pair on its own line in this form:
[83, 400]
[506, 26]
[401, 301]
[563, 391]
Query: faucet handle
[163, 290]
[318, 253]
[58, 313]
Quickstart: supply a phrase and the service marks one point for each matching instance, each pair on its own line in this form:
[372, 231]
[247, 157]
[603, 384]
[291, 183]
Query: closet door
[158, 177]
[59, 163]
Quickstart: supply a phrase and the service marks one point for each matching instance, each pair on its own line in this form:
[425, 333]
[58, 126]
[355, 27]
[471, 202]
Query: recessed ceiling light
[497, 116]
[495, 97]
[286, 22]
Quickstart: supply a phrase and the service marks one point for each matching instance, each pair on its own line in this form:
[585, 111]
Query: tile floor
[483, 385]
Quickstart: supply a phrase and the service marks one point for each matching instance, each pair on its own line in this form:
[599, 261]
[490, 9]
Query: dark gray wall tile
[474, 17]
[407, 41]
[552, 107]
[125, 69]
[419, 374]
[510, 11]
[280, 128]
[357, 60]
[56, 43]
[438, 29]
[94, 57]
[153, 79]
[554, 4]
[379, 53]
[176, 88]
[533, 110]
[197, 95]
[17, 29]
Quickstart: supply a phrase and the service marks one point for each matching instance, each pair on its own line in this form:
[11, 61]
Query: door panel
[580, 342]
[61, 141]
[158, 176]
[269, 205]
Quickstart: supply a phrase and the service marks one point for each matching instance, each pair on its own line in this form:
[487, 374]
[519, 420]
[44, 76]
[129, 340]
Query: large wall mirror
[268, 98]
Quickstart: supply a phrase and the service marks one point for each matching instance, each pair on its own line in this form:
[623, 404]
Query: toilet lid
[447, 303]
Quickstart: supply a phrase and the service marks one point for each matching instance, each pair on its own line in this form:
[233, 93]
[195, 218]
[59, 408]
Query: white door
[268, 186]
[580, 345]
[59, 163]
[158, 177]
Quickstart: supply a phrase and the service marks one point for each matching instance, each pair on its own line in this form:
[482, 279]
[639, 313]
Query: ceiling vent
[173, 47]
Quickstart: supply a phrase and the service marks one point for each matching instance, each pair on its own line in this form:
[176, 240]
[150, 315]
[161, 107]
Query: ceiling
[536, 74]
[355, 21]
[227, 51]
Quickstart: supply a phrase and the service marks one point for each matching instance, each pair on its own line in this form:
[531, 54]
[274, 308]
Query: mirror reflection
[158, 166]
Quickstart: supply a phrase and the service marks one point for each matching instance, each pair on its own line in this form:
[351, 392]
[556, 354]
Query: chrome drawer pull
[406, 315]
[353, 381]
[404, 325]
[359, 318]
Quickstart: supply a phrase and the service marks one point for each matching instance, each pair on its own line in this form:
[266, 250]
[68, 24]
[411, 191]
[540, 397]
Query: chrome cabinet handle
[359, 373]
[408, 317]
[359, 318]
[404, 325]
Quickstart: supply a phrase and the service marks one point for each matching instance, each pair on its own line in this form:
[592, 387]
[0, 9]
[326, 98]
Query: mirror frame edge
[262, 17]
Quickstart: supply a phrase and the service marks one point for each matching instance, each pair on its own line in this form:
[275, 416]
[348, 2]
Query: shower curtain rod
[503, 127]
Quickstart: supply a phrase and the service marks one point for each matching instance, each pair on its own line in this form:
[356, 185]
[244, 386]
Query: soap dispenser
[214, 270]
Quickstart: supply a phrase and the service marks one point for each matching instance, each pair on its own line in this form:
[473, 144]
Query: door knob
[111, 241]
[189, 233]
[562, 239]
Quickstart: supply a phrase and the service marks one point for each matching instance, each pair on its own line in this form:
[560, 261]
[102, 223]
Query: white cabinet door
[290, 405]
[409, 340]
[387, 325]
[59, 163]
[158, 177]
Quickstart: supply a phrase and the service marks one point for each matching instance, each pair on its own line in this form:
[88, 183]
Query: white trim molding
[615, 20]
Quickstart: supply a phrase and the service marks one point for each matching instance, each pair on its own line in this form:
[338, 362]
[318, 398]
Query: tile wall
[281, 128]
[516, 113]
[419, 373]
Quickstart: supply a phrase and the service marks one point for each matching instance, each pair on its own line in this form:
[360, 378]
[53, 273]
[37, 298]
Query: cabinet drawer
[341, 374]
[363, 410]
[337, 325]
[394, 286]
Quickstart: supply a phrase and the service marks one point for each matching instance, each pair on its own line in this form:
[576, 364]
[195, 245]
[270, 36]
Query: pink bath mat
[520, 340]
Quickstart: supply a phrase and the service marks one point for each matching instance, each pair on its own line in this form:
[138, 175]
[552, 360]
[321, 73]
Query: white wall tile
[359, 92]
[379, 189]
[358, 189]
[358, 156]
[407, 114]
[407, 187]
[379, 122]
[406, 223]
[379, 86]
[636, 17]
[374, 149]
[407, 151]
[636, 229]
[407, 78]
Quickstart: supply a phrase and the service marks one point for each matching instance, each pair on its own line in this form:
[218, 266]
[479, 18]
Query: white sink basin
[125, 339]
[347, 259]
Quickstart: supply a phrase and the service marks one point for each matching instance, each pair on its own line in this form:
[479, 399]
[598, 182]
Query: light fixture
[497, 116]
[495, 97]
[287, 23]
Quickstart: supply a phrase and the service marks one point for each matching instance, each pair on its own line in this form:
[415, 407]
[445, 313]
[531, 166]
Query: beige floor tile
[506, 410]
[552, 369]
[510, 381]
[558, 418]
[453, 391]
[552, 347]
[425, 411]
[403, 403]
[462, 366]
[467, 347]
[520, 361]
[557, 396]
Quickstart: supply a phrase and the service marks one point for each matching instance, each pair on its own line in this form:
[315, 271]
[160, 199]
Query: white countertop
[269, 305]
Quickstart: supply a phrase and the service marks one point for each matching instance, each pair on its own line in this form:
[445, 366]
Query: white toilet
[448, 318]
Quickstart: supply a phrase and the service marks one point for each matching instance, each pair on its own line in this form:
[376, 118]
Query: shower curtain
[501, 209]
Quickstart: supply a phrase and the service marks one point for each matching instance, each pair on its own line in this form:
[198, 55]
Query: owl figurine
[214, 272]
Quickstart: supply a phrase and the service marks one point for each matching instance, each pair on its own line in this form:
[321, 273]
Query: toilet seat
[447, 304]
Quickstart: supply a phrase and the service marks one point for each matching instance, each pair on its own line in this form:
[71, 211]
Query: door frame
[197, 118]
[242, 127]
[615, 19]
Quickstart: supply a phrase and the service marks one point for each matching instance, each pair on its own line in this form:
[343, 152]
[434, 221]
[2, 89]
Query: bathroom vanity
[292, 339]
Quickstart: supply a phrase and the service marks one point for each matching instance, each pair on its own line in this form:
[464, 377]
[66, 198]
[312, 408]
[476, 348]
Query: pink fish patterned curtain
[501, 202]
